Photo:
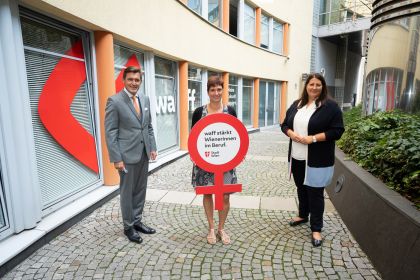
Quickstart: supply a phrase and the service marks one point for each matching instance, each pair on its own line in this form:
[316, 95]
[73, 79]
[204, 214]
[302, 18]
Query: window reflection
[194, 91]
[247, 98]
[214, 12]
[233, 91]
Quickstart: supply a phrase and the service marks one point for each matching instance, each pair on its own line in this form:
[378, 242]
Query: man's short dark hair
[131, 69]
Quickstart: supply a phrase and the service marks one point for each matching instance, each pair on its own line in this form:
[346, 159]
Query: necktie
[136, 104]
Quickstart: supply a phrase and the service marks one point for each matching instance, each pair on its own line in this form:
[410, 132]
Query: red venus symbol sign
[217, 144]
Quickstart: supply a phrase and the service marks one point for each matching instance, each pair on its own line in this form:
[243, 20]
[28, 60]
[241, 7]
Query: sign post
[217, 144]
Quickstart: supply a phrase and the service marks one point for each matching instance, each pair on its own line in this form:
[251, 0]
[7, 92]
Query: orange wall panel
[225, 16]
[104, 46]
[283, 104]
[258, 27]
[183, 104]
[225, 96]
[286, 39]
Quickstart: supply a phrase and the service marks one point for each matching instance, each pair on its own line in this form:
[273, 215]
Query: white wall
[169, 29]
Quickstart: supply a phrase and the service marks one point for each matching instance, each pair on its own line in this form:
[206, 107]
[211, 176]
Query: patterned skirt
[204, 178]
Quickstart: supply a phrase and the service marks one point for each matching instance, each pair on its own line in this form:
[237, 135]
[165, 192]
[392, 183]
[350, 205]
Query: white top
[300, 126]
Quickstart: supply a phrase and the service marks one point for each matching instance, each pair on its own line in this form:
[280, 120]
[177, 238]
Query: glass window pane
[124, 57]
[249, 24]
[261, 109]
[44, 37]
[194, 91]
[264, 31]
[324, 6]
[233, 91]
[247, 104]
[45, 68]
[248, 82]
[270, 104]
[195, 5]
[277, 37]
[166, 104]
[194, 74]
[214, 11]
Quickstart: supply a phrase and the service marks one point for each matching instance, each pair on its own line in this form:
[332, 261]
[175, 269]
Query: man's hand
[153, 155]
[119, 166]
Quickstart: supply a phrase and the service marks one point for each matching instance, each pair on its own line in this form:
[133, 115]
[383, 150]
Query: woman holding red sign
[313, 122]
[201, 177]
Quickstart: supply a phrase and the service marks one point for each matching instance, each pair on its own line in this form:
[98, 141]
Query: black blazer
[327, 118]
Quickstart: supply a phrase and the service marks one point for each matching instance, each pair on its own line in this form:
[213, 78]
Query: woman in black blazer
[313, 122]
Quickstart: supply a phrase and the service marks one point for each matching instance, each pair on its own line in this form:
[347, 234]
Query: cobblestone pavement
[263, 245]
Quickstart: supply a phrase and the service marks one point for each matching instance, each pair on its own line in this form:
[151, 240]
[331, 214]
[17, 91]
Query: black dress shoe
[316, 242]
[144, 229]
[294, 223]
[133, 235]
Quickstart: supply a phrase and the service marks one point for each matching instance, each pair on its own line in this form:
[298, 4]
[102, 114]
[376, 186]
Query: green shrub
[387, 144]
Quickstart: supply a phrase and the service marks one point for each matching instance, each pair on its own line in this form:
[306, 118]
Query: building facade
[61, 60]
[393, 73]
[339, 42]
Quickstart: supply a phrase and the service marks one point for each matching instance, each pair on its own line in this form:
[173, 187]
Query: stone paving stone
[279, 203]
[263, 245]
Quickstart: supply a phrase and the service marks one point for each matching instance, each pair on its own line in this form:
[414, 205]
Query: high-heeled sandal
[224, 237]
[211, 237]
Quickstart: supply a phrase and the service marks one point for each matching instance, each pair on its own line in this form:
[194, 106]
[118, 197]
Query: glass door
[262, 104]
[270, 104]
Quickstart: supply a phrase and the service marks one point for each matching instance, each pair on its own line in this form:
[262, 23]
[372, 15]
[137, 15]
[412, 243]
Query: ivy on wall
[387, 144]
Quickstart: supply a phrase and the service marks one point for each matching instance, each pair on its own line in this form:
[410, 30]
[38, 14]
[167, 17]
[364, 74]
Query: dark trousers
[311, 200]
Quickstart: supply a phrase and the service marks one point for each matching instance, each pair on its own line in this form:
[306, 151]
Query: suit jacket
[127, 134]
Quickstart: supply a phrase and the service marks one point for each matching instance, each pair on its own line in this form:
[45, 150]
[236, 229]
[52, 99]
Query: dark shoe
[133, 235]
[316, 242]
[294, 223]
[144, 229]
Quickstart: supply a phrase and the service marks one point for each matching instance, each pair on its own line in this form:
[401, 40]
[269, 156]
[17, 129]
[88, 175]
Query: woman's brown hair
[303, 100]
[214, 81]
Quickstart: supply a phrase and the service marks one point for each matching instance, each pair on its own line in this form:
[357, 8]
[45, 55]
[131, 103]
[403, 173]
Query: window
[383, 90]
[214, 12]
[269, 104]
[194, 91]
[233, 91]
[166, 104]
[124, 57]
[331, 12]
[247, 101]
[195, 5]
[277, 37]
[58, 70]
[233, 17]
[249, 24]
[264, 31]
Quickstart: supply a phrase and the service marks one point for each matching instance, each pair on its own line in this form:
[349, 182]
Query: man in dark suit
[131, 142]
